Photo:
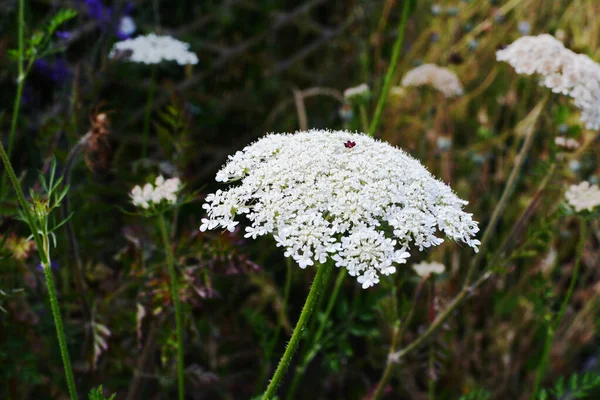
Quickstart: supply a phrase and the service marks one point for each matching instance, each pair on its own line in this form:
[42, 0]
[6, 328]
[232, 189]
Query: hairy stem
[286, 359]
[177, 303]
[554, 324]
[308, 356]
[60, 332]
[391, 70]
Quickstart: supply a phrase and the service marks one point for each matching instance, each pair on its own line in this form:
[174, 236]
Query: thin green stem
[284, 362]
[391, 70]
[313, 347]
[555, 324]
[177, 303]
[20, 83]
[148, 114]
[529, 131]
[60, 332]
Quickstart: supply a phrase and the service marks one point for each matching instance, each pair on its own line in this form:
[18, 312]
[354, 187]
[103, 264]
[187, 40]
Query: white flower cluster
[338, 195]
[152, 195]
[439, 78]
[424, 268]
[566, 143]
[360, 90]
[583, 196]
[562, 71]
[153, 49]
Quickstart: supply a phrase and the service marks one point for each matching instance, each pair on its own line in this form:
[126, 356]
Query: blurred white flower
[583, 196]
[153, 49]
[562, 71]
[439, 78]
[152, 195]
[424, 268]
[566, 143]
[341, 196]
[360, 90]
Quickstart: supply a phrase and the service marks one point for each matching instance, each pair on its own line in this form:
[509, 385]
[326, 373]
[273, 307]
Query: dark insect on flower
[349, 144]
[98, 151]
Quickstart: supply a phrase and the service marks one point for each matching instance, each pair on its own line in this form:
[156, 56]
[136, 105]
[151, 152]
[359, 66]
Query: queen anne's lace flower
[153, 49]
[153, 195]
[583, 196]
[439, 78]
[424, 268]
[338, 195]
[561, 69]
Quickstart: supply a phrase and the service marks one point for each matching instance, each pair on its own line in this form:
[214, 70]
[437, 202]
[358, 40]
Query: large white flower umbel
[341, 196]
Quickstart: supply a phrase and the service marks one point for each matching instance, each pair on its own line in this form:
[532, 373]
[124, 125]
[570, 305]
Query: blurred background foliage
[275, 65]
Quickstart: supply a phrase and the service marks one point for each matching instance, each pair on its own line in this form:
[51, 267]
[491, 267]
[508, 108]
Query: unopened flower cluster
[566, 143]
[583, 196]
[562, 71]
[424, 268]
[441, 79]
[154, 49]
[338, 195]
[361, 90]
[149, 196]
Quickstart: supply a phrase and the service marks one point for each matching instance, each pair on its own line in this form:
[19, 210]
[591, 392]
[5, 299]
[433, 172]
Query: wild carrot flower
[153, 49]
[151, 196]
[424, 268]
[439, 78]
[583, 196]
[561, 70]
[361, 205]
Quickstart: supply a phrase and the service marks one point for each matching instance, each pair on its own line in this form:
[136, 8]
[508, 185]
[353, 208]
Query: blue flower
[57, 71]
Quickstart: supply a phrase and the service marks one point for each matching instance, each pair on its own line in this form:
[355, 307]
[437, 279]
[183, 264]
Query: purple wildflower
[57, 71]
[53, 264]
[63, 35]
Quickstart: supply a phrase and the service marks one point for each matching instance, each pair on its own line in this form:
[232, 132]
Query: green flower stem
[20, 84]
[148, 114]
[529, 130]
[45, 259]
[176, 301]
[284, 362]
[308, 356]
[391, 70]
[555, 324]
[60, 332]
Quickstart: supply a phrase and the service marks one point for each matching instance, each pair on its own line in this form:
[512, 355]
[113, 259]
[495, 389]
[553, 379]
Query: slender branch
[398, 332]
[20, 83]
[284, 362]
[391, 70]
[177, 303]
[554, 325]
[529, 129]
[437, 323]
